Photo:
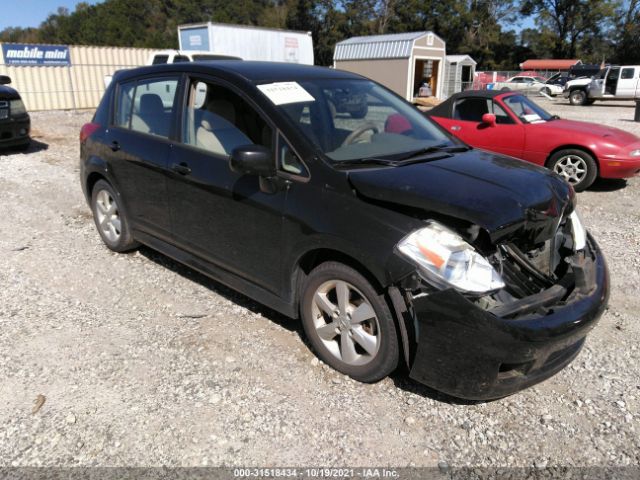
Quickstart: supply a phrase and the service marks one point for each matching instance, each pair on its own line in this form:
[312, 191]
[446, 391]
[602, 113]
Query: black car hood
[8, 93]
[500, 194]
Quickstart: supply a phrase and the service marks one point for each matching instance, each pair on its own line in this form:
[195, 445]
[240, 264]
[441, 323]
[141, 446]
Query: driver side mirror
[252, 160]
[489, 119]
[5, 80]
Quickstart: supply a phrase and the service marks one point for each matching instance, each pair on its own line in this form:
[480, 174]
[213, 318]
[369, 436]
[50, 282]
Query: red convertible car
[514, 125]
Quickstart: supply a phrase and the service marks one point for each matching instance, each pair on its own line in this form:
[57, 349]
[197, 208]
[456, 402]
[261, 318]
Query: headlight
[635, 153]
[577, 231]
[17, 107]
[445, 260]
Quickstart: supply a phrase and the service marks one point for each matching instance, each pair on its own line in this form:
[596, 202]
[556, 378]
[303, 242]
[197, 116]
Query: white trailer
[248, 43]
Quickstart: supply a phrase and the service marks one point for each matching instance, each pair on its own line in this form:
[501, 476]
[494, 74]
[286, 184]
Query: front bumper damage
[470, 352]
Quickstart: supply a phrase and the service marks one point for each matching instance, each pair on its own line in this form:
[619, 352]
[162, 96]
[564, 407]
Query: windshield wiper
[367, 161]
[444, 148]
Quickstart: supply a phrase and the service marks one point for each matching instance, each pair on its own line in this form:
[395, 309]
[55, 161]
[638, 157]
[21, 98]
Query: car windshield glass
[349, 119]
[526, 110]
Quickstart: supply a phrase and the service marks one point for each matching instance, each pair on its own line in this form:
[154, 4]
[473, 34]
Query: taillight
[87, 130]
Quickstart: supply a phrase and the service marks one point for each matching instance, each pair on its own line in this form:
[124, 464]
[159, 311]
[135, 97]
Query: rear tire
[578, 97]
[110, 218]
[577, 167]
[348, 323]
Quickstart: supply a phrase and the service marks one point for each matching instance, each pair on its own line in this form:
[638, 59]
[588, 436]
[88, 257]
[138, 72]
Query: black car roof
[255, 72]
[445, 109]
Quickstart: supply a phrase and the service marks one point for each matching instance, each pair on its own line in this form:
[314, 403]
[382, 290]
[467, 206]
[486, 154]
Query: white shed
[459, 71]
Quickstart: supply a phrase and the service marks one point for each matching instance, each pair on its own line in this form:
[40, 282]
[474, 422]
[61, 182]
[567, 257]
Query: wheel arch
[92, 179]
[312, 258]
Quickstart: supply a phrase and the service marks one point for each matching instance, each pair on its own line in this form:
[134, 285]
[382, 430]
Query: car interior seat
[151, 117]
[217, 131]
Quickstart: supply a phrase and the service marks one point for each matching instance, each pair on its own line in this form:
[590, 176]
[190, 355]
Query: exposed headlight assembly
[445, 260]
[17, 107]
[635, 153]
[577, 231]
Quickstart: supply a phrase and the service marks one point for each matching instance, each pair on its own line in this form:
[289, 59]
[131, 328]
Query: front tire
[110, 218]
[578, 97]
[348, 323]
[577, 167]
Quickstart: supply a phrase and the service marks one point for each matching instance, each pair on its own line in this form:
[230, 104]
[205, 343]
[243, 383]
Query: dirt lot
[144, 362]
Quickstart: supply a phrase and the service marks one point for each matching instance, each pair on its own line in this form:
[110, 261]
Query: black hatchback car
[15, 122]
[392, 241]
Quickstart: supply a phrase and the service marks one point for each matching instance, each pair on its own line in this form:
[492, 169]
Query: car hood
[611, 134]
[8, 93]
[500, 194]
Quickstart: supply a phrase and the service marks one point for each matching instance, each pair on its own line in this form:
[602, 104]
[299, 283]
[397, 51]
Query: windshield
[526, 110]
[349, 119]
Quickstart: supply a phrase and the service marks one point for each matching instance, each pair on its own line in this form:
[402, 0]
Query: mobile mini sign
[29, 54]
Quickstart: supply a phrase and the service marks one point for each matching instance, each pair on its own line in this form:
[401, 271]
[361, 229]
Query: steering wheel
[359, 131]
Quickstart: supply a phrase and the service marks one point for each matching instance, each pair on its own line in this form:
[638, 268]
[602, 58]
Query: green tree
[571, 25]
[626, 50]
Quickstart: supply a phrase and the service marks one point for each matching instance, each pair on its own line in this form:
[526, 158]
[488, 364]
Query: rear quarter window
[102, 112]
[123, 104]
[160, 59]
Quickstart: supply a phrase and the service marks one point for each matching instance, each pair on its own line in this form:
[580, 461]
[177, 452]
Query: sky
[30, 13]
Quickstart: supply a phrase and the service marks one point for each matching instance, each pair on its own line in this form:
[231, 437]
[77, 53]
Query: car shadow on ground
[402, 381]
[34, 146]
[400, 377]
[608, 185]
[220, 289]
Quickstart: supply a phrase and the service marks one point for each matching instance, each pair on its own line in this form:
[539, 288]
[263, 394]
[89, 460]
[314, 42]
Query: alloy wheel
[345, 322]
[108, 216]
[572, 168]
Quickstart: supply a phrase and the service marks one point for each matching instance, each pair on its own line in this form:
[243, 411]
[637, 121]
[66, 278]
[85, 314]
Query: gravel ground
[141, 361]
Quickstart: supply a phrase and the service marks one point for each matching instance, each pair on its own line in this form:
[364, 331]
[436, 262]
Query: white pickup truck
[611, 83]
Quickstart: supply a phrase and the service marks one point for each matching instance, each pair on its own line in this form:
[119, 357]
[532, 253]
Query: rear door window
[147, 106]
[627, 73]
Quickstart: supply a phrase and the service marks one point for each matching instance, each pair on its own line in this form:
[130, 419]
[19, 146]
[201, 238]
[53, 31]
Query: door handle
[181, 168]
[115, 146]
[455, 128]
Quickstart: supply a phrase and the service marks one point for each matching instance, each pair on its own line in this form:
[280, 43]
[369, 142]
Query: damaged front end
[547, 288]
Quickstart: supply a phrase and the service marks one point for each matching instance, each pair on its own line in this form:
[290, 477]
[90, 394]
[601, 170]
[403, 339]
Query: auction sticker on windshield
[281, 93]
